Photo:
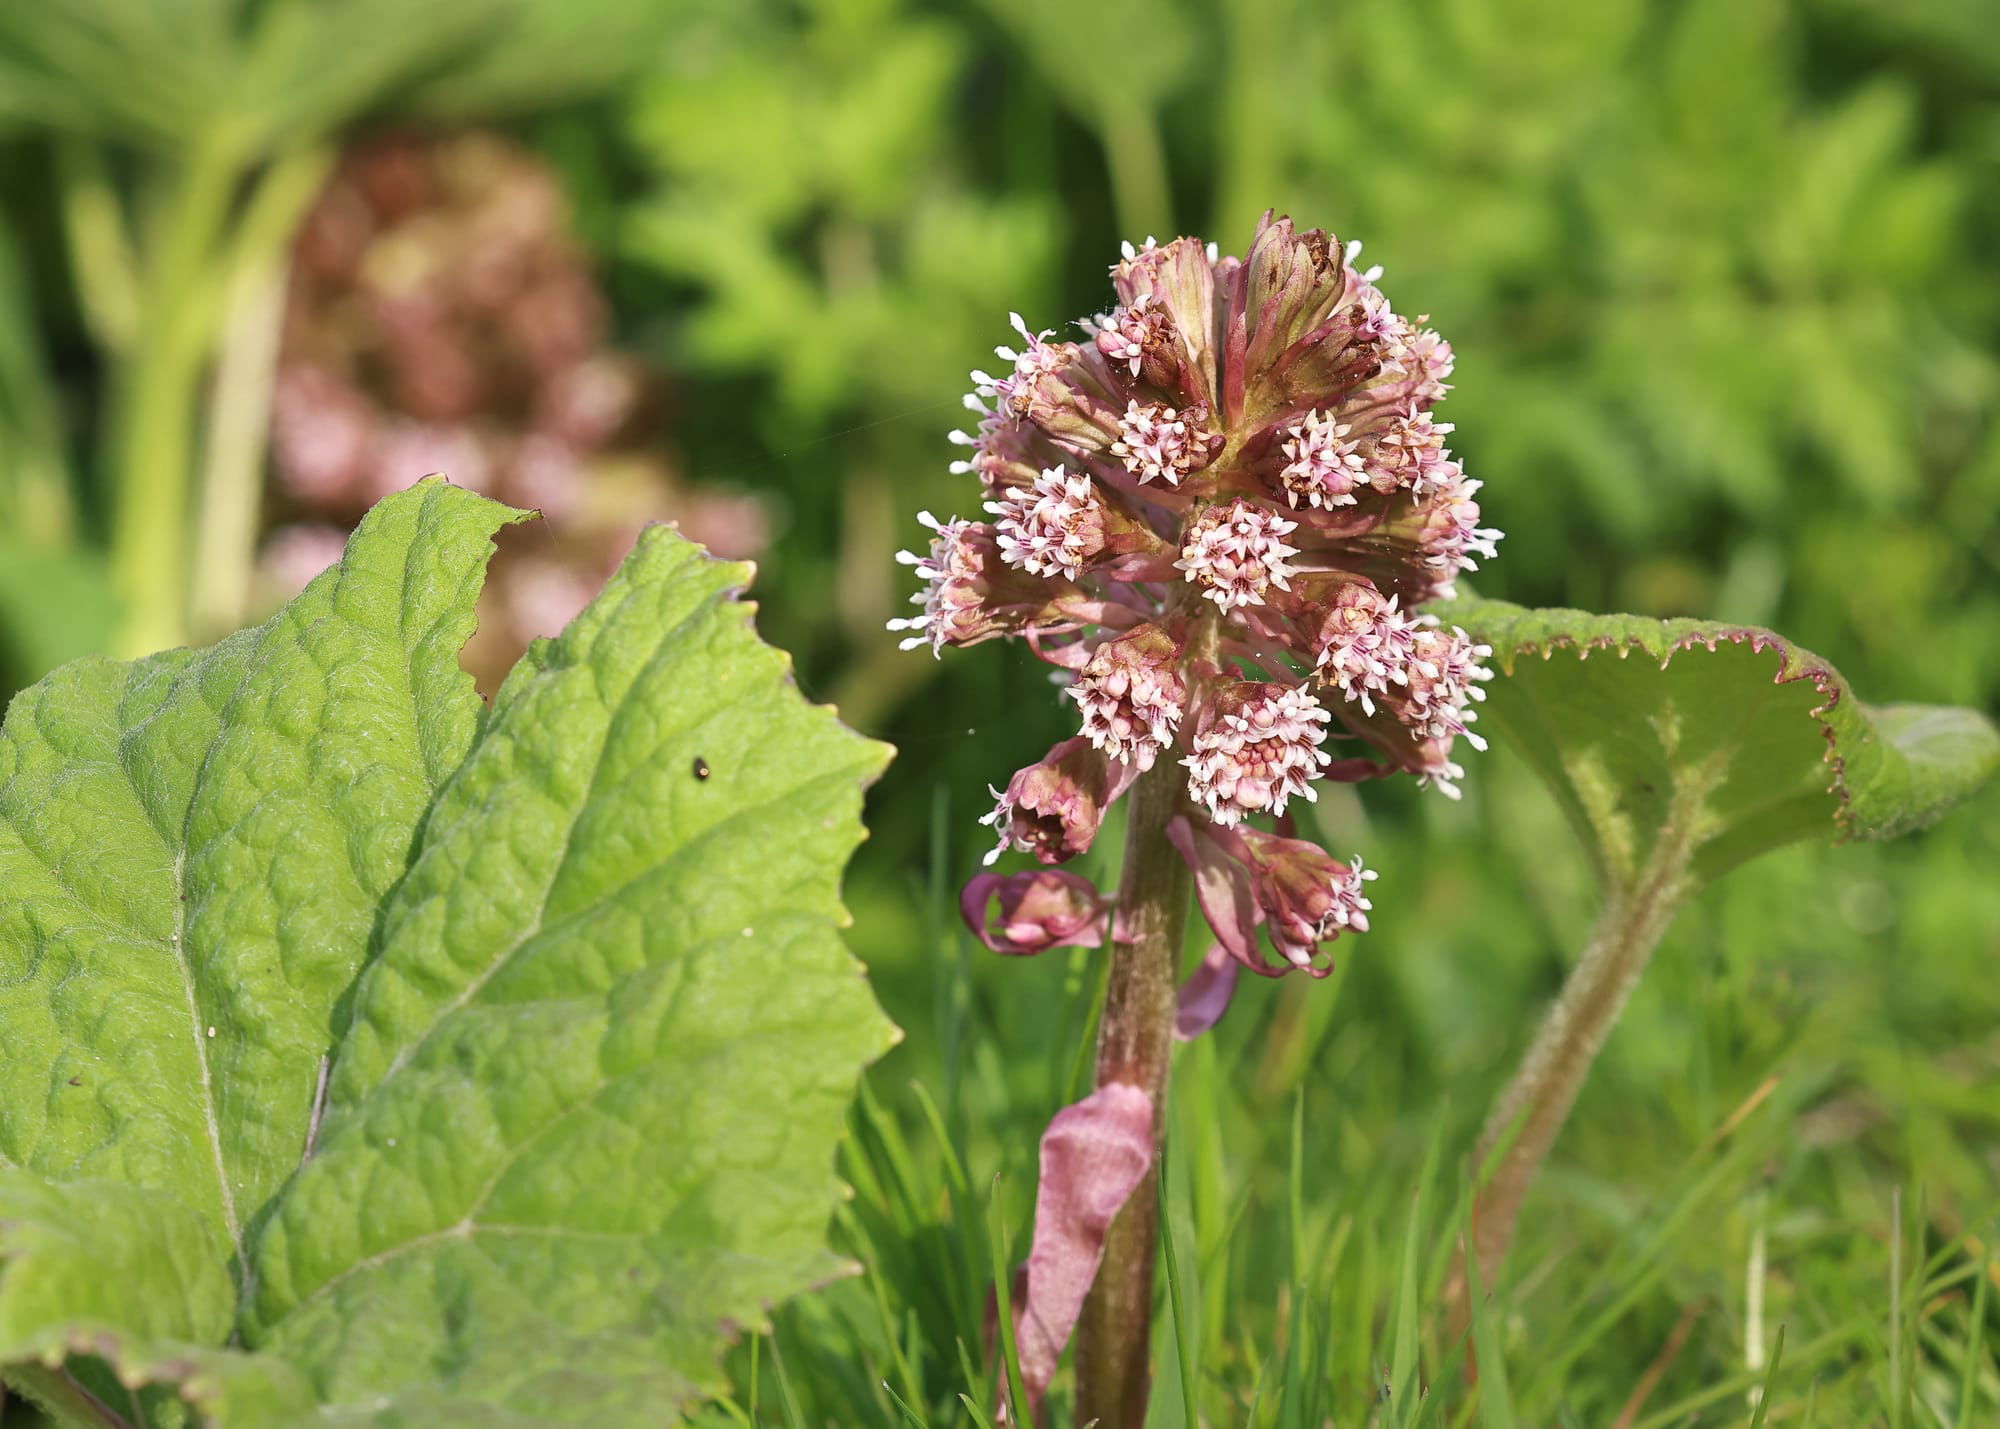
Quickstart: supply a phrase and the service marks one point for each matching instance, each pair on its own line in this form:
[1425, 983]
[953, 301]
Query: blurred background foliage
[1720, 278]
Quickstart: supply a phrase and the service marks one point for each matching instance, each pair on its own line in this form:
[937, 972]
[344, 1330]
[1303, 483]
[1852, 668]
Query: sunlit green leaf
[574, 1123]
[585, 1114]
[124, 1283]
[1727, 736]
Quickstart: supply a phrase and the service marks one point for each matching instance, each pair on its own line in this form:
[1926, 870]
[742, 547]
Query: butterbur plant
[1227, 514]
[1217, 513]
[374, 1056]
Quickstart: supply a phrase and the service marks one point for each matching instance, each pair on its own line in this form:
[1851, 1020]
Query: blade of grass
[1811, 1354]
[1635, 1275]
[947, 1004]
[793, 1419]
[879, 1294]
[958, 1194]
[1180, 1327]
[1496, 1403]
[1975, 1340]
[1086, 1042]
[733, 1410]
[1295, 1199]
[1017, 1394]
[910, 1415]
[1896, 1419]
[1770, 1381]
[1292, 1412]
[1404, 1355]
[977, 1378]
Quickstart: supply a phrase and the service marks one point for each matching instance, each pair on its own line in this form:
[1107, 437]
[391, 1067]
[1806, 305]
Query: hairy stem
[1538, 1100]
[35, 504]
[1135, 1040]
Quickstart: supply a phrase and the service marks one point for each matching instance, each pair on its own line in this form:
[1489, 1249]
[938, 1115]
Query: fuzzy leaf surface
[193, 847]
[1727, 738]
[574, 963]
[583, 1121]
[115, 1292]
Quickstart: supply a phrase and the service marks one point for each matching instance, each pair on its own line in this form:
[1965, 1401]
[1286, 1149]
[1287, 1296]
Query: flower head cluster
[1220, 513]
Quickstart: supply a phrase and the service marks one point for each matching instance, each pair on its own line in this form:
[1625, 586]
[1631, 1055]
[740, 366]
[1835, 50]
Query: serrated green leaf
[1727, 738]
[192, 850]
[123, 1283]
[583, 1121]
[580, 1122]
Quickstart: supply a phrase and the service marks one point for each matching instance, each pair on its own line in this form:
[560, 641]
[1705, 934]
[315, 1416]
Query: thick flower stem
[1135, 1040]
[1538, 1100]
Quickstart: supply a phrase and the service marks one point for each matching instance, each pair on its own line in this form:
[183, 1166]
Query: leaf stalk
[1537, 1101]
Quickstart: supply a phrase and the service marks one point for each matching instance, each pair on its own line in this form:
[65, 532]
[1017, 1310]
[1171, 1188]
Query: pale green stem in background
[1135, 1043]
[152, 455]
[100, 249]
[35, 500]
[1139, 190]
[225, 539]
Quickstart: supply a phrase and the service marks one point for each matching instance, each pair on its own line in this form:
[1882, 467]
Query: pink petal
[1204, 997]
[1222, 886]
[1043, 909]
[1094, 1155]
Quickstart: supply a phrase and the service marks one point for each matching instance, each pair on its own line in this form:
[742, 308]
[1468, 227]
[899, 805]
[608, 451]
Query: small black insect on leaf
[700, 767]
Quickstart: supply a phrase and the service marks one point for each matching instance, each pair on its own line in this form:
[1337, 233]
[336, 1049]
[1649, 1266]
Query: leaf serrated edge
[1667, 639]
[184, 1368]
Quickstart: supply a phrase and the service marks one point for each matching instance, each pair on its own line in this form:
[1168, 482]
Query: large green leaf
[114, 1292]
[573, 1123]
[192, 850]
[586, 1111]
[1725, 740]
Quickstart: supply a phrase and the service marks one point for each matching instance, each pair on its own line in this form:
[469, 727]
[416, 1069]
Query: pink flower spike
[970, 593]
[1132, 333]
[1443, 682]
[1452, 533]
[1158, 443]
[1014, 394]
[1259, 745]
[1246, 879]
[1322, 468]
[1306, 896]
[1052, 809]
[1037, 911]
[1411, 455]
[1132, 695]
[1095, 1154]
[1052, 529]
[1364, 644]
[1236, 553]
